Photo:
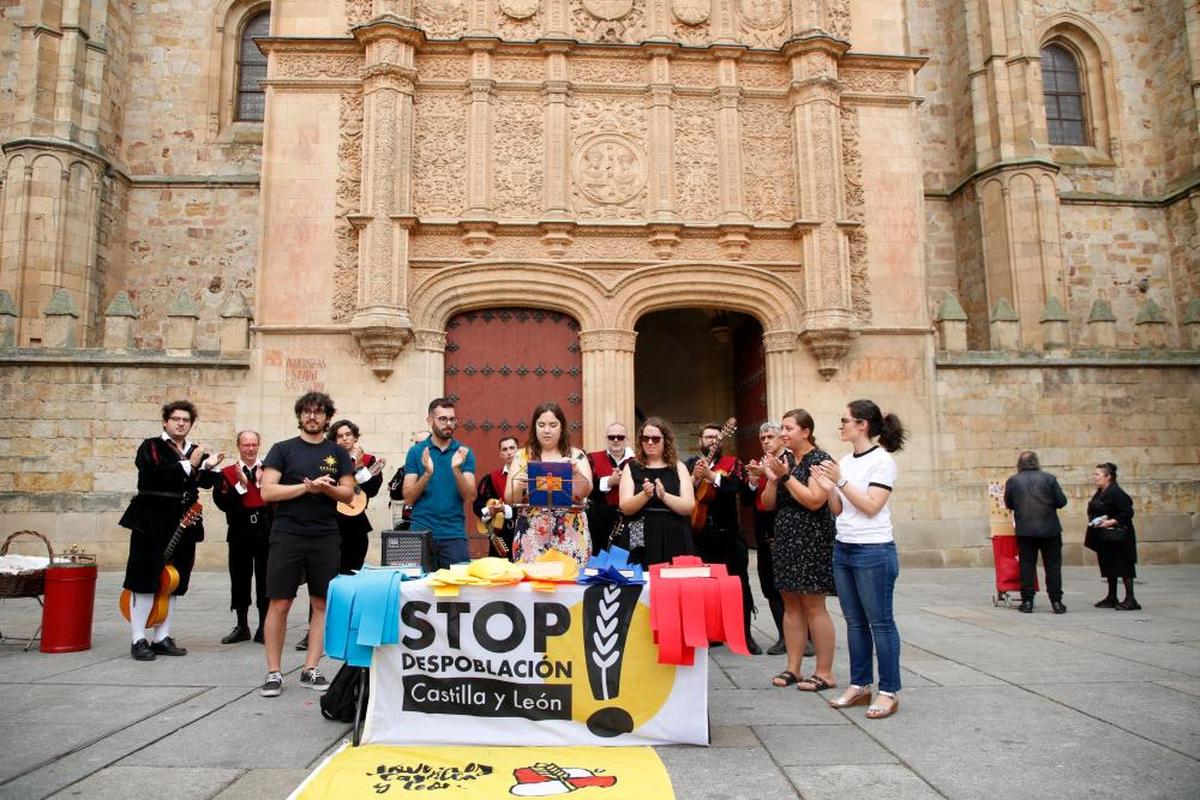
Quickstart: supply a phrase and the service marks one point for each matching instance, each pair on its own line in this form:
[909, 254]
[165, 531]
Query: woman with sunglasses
[865, 564]
[656, 498]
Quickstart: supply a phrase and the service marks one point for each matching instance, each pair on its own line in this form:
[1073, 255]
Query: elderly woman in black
[1111, 509]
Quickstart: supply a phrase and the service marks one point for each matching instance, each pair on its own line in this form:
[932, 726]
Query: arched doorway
[502, 362]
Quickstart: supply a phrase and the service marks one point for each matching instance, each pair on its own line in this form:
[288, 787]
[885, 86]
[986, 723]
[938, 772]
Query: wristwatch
[841, 483]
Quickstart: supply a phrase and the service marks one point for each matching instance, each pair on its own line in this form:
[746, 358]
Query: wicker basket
[30, 583]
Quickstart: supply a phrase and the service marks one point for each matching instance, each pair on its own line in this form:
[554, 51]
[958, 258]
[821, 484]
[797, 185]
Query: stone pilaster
[661, 186]
[1056, 337]
[381, 322]
[558, 134]
[951, 325]
[1005, 327]
[427, 363]
[118, 323]
[734, 236]
[1191, 324]
[1102, 325]
[1150, 327]
[62, 321]
[235, 323]
[607, 381]
[8, 320]
[479, 132]
[783, 371]
[828, 326]
[181, 325]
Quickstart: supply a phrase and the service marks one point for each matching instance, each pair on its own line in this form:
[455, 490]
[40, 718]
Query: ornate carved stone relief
[860, 288]
[442, 19]
[358, 11]
[519, 20]
[439, 154]
[317, 65]
[838, 15]
[769, 165]
[609, 167]
[519, 157]
[690, 21]
[608, 70]
[752, 75]
[349, 178]
[519, 68]
[762, 23]
[697, 167]
[441, 68]
[688, 72]
[874, 81]
[608, 20]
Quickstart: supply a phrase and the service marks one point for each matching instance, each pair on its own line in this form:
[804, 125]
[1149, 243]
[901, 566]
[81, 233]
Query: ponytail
[887, 427]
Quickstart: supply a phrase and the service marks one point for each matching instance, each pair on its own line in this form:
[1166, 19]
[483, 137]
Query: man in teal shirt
[439, 477]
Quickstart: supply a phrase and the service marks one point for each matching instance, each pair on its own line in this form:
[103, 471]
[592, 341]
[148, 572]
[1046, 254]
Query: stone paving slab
[874, 781]
[177, 783]
[821, 745]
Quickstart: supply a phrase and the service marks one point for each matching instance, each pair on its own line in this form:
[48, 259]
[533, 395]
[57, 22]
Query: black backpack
[338, 702]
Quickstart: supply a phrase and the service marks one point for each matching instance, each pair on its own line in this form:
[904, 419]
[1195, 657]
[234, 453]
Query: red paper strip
[670, 631]
[693, 611]
[731, 612]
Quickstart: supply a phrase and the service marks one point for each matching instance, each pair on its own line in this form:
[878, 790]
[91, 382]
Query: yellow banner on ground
[602, 773]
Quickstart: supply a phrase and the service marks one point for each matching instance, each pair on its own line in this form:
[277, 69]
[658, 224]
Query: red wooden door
[500, 364]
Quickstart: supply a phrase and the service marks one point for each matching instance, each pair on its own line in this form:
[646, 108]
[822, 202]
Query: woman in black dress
[1111, 508]
[656, 498]
[803, 551]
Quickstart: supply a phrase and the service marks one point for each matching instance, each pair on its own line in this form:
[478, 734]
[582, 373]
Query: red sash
[252, 498]
[602, 467]
[499, 482]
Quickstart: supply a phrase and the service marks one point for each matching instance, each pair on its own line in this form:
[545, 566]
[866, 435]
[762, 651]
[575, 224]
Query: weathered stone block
[8, 320]
[62, 321]
[1005, 326]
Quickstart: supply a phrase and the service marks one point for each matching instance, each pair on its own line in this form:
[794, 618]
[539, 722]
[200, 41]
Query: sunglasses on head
[651, 439]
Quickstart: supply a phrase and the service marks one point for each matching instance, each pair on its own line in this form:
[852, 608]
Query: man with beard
[170, 471]
[306, 477]
[720, 539]
[602, 510]
[439, 476]
[489, 503]
[248, 519]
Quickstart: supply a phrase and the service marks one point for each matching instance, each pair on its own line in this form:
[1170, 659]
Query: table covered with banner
[478, 655]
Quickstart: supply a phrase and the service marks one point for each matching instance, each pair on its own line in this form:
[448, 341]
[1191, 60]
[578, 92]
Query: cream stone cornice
[323, 45]
[608, 339]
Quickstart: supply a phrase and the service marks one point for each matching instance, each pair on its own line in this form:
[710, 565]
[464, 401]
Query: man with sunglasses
[602, 511]
[439, 476]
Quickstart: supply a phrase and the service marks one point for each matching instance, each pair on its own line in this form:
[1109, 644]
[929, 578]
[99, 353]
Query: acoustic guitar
[357, 504]
[168, 580]
[705, 491]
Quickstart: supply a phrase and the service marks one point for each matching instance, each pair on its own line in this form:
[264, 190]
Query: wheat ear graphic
[605, 636]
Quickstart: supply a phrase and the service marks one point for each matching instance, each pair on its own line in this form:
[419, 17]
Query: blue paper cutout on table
[610, 566]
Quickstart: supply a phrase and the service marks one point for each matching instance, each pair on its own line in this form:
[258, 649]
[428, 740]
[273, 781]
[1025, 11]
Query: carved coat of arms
[761, 13]
[608, 9]
[692, 12]
[520, 9]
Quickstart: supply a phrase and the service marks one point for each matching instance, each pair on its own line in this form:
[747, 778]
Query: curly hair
[670, 456]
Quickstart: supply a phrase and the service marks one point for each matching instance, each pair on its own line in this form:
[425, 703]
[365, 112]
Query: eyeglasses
[446, 420]
[616, 437]
[313, 412]
[179, 419]
[848, 420]
[651, 439]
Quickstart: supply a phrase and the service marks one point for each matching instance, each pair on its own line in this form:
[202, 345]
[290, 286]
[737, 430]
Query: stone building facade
[869, 191]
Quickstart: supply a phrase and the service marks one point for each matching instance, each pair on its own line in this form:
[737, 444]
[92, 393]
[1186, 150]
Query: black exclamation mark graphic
[607, 613]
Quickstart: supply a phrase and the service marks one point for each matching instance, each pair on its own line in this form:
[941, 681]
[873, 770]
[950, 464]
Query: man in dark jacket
[1034, 497]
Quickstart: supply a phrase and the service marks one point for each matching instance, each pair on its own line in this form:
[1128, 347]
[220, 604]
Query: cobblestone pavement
[1094, 703]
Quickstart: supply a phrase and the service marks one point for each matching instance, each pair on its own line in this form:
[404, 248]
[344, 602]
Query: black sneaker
[313, 679]
[778, 649]
[239, 633]
[273, 685]
[167, 647]
[258, 636]
[141, 651]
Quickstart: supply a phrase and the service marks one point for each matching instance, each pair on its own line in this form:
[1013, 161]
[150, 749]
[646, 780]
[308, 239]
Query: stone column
[62, 321]
[8, 320]
[479, 226]
[951, 325]
[181, 325]
[783, 371]
[118, 323]
[557, 234]
[828, 326]
[735, 224]
[381, 323]
[235, 323]
[664, 230]
[607, 381]
[428, 363]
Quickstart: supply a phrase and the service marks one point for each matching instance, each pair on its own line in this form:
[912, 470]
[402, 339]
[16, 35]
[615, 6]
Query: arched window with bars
[252, 70]
[1065, 96]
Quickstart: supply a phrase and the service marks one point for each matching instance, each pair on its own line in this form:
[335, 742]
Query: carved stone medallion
[609, 168]
[608, 9]
[762, 13]
[520, 9]
[440, 8]
[692, 12]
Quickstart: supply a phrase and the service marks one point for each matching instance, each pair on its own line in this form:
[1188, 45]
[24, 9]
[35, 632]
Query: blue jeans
[450, 551]
[865, 576]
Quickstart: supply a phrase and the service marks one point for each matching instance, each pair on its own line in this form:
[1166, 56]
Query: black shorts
[294, 560]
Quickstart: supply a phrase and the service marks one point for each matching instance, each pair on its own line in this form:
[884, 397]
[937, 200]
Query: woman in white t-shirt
[865, 565]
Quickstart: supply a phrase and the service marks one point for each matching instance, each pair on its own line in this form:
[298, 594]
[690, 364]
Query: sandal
[876, 711]
[815, 683]
[853, 696]
[787, 676]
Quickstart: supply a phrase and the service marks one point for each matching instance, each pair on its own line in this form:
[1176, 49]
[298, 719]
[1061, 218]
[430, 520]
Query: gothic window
[1066, 101]
[252, 70]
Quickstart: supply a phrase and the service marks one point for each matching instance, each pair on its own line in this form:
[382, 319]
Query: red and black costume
[167, 485]
[491, 487]
[248, 519]
[355, 529]
[764, 535]
[603, 510]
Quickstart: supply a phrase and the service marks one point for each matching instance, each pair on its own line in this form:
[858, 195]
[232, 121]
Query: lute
[168, 579]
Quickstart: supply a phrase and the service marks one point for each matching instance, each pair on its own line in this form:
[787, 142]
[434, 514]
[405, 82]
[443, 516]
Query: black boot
[240, 633]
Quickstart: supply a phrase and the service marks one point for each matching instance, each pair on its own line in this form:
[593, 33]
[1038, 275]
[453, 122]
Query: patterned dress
[539, 529]
[803, 549]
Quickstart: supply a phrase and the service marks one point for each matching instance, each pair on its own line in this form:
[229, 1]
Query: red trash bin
[69, 601]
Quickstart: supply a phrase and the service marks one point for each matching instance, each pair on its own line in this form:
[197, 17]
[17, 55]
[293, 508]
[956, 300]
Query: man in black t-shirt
[306, 477]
